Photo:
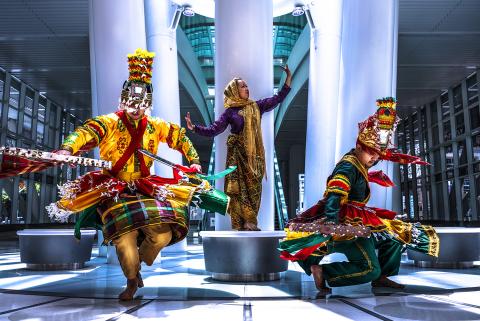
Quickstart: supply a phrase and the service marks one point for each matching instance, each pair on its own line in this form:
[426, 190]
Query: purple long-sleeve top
[231, 116]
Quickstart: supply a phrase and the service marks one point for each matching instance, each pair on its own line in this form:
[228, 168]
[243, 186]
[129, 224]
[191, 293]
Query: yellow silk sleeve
[175, 137]
[90, 134]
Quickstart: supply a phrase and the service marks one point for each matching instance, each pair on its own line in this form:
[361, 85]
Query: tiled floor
[178, 288]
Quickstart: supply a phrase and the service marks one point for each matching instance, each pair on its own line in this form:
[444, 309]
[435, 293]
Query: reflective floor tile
[191, 310]
[72, 309]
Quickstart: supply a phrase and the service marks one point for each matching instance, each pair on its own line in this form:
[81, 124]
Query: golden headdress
[140, 66]
[377, 131]
[138, 87]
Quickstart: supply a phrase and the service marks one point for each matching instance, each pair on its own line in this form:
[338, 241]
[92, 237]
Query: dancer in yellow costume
[130, 205]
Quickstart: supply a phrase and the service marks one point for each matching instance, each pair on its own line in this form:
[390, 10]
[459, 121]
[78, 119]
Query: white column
[369, 57]
[115, 31]
[166, 102]
[323, 85]
[243, 34]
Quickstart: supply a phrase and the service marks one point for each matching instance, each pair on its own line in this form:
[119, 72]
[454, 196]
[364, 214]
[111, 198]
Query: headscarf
[252, 129]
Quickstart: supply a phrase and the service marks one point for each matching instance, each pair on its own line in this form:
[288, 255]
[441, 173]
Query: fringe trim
[57, 214]
[69, 190]
[161, 193]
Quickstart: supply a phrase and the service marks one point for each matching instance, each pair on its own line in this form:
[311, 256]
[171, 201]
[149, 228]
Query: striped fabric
[135, 211]
[339, 184]
[17, 165]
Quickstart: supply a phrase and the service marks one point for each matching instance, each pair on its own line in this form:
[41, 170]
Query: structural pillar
[323, 86]
[166, 101]
[115, 31]
[369, 72]
[243, 34]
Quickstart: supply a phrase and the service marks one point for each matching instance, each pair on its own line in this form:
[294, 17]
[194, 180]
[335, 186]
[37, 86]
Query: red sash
[137, 138]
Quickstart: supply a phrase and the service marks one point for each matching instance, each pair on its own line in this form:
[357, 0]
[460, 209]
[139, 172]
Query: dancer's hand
[66, 153]
[197, 168]
[288, 80]
[189, 122]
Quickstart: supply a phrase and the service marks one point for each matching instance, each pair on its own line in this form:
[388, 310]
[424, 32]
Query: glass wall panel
[27, 126]
[435, 135]
[433, 112]
[465, 190]
[12, 119]
[445, 105]
[459, 124]
[40, 132]
[452, 199]
[475, 117]
[2, 83]
[6, 186]
[14, 94]
[42, 103]
[437, 164]
[472, 89]
[462, 153]
[476, 147]
[457, 98]
[439, 201]
[447, 131]
[29, 102]
[477, 187]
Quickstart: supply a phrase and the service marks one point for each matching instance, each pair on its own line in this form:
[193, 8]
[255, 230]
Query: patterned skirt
[299, 244]
[118, 207]
[244, 186]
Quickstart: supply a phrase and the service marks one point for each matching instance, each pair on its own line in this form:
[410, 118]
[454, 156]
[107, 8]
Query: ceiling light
[298, 11]
[188, 11]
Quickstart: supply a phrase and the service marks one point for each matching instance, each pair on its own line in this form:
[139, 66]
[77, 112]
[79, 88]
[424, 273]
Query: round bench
[459, 248]
[55, 249]
[243, 256]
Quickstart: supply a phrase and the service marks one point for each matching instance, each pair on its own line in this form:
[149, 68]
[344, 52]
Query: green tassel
[217, 175]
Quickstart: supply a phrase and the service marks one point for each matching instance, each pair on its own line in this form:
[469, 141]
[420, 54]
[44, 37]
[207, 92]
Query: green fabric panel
[88, 218]
[213, 200]
[421, 243]
[389, 256]
[292, 246]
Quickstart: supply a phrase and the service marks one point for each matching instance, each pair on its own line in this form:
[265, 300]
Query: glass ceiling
[200, 31]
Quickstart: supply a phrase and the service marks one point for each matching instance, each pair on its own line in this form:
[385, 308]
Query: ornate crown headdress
[140, 66]
[376, 132]
[139, 84]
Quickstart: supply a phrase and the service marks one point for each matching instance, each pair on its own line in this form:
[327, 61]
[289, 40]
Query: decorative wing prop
[16, 161]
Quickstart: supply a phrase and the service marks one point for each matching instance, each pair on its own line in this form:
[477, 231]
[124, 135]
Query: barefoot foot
[384, 282]
[129, 292]
[317, 273]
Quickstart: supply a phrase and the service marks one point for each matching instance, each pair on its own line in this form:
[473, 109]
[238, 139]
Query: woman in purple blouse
[244, 148]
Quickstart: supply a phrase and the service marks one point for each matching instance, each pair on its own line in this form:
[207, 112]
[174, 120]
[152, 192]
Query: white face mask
[132, 105]
[384, 138]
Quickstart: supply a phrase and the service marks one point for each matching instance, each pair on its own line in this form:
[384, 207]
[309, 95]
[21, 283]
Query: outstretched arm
[270, 103]
[175, 137]
[85, 137]
[214, 129]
